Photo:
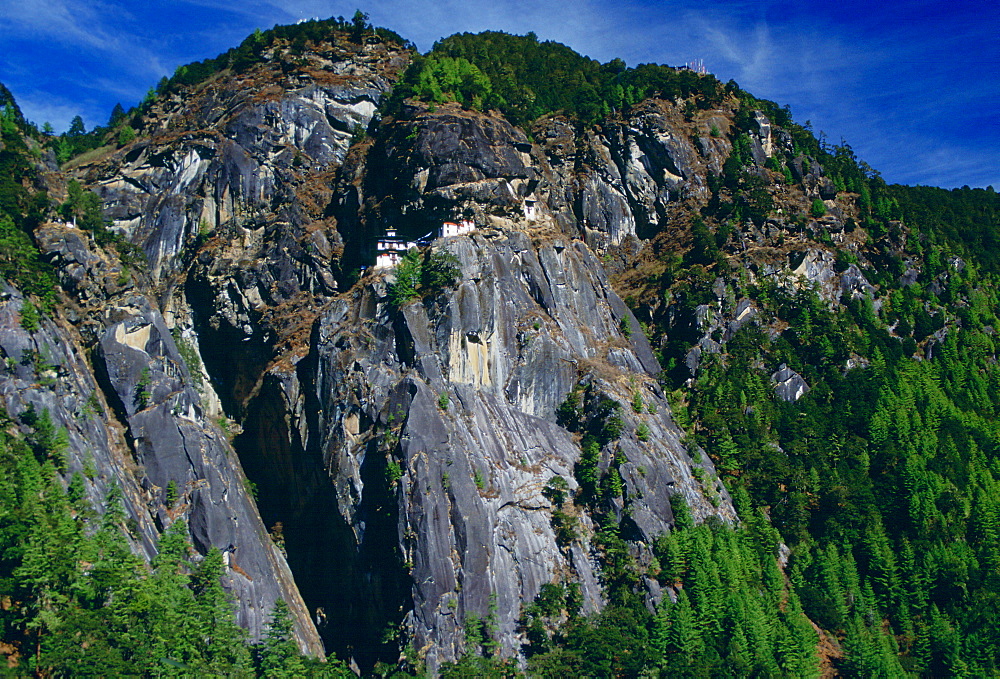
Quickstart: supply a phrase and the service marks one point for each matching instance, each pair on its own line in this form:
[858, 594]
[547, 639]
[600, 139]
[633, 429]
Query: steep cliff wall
[406, 455]
[231, 172]
[431, 428]
[458, 393]
[112, 376]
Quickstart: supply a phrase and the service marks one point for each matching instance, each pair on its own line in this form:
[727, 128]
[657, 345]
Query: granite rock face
[47, 371]
[224, 192]
[134, 421]
[607, 185]
[240, 165]
[458, 394]
[634, 172]
[174, 441]
[789, 386]
[401, 454]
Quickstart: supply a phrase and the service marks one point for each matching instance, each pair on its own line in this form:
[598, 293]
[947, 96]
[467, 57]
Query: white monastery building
[390, 248]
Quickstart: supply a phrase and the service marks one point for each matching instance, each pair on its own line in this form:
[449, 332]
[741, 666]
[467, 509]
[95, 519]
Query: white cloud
[61, 20]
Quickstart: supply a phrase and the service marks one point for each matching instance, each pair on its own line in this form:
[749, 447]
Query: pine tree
[278, 655]
[682, 645]
[222, 640]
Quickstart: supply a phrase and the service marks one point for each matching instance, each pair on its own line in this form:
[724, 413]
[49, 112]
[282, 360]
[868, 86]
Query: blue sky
[912, 85]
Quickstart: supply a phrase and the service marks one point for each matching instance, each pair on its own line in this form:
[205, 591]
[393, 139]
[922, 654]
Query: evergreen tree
[277, 654]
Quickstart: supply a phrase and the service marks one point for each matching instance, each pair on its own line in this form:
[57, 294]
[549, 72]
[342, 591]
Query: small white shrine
[530, 207]
[389, 249]
[461, 228]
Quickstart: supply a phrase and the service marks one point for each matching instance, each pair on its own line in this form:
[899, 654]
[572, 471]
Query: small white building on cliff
[390, 248]
[461, 228]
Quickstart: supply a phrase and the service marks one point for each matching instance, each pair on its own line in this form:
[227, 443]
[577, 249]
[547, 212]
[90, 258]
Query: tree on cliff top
[359, 24]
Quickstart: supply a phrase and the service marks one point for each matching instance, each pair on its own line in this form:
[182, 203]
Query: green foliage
[418, 277]
[359, 24]
[21, 210]
[878, 477]
[48, 441]
[443, 400]
[278, 654]
[642, 432]
[117, 115]
[404, 289]
[393, 472]
[568, 413]
[478, 667]
[10, 114]
[749, 196]
[171, 496]
[733, 614]
[126, 135]
[625, 327]
[564, 523]
[29, 316]
[555, 490]
[440, 270]
[607, 422]
[76, 140]
[704, 249]
[20, 263]
[587, 469]
[77, 597]
[526, 79]
[844, 259]
[142, 388]
[358, 134]
[76, 126]
[818, 208]
[441, 79]
[599, 419]
[84, 208]
[190, 356]
[964, 220]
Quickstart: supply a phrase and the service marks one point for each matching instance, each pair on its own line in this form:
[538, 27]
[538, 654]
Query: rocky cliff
[114, 378]
[432, 427]
[413, 458]
[226, 176]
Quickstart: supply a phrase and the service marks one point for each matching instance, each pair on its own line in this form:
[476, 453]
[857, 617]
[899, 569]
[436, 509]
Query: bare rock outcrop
[402, 454]
[134, 421]
[459, 392]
